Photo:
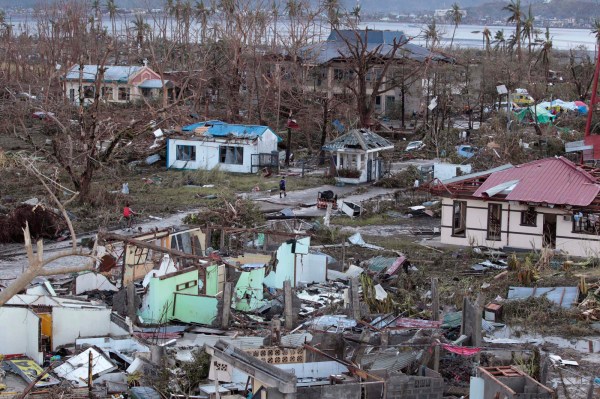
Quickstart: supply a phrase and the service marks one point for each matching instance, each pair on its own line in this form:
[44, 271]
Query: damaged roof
[217, 128]
[113, 73]
[379, 41]
[553, 180]
[363, 139]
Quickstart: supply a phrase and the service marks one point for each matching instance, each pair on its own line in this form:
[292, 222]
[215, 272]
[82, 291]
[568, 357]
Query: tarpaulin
[461, 350]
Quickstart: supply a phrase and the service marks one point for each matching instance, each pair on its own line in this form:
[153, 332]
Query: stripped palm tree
[455, 15]
[529, 28]
[432, 35]
[545, 52]
[516, 17]
[202, 13]
[499, 40]
[356, 13]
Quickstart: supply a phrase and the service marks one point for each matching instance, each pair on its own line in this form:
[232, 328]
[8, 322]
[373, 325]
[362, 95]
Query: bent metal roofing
[377, 41]
[555, 181]
[222, 129]
[113, 73]
[359, 139]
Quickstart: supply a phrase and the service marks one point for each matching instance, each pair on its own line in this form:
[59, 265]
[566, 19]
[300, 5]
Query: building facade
[229, 147]
[547, 203]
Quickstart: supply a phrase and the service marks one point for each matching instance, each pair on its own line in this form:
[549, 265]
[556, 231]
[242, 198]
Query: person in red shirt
[128, 214]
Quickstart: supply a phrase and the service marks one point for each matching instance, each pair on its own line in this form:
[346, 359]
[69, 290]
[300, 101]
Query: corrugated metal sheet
[358, 138]
[113, 73]
[222, 129]
[553, 180]
[391, 361]
[565, 297]
[377, 40]
[296, 340]
[379, 263]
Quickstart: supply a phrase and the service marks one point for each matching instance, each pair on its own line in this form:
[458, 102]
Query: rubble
[266, 310]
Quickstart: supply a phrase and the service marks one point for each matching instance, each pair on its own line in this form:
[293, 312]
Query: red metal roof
[553, 181]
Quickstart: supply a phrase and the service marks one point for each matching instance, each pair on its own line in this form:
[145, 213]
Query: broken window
[231, 155]
[459, 218]
[586, 223]
[494, 222]
[124, 93]
[185, 153]
[529, 217]
[107, 92]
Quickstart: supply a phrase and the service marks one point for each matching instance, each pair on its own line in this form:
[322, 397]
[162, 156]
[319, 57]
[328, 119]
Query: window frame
[237, 154]
[459, 231]
[494, 233]
[588, 224]
[531, 211]
[185, 152]
[124, 93]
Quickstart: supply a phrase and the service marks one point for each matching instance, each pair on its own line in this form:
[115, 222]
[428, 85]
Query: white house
[357, 156]
[550, 202]
[231, 148]
[120, 84]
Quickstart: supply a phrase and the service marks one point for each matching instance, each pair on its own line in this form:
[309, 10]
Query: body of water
[466, 36]
[562, 39]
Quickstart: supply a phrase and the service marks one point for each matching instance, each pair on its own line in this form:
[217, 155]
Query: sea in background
[466, 36]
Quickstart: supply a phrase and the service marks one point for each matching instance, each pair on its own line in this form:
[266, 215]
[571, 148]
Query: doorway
[549, 231]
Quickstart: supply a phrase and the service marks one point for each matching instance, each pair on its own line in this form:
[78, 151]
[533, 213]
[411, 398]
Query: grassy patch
[542, 316]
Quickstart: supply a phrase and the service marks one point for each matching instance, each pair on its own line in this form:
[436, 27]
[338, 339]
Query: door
[549, 231]
[369, 170]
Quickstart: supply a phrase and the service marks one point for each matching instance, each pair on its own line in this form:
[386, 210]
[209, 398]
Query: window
[185, 153]
[586, 223]
[124, 93]
[147, 92]
[459, 218]
[72, 95]
[231, 155]
[494, 222]
[529, 217]
[88, 91]
[107, 92]
[378, 100]
[184, 286]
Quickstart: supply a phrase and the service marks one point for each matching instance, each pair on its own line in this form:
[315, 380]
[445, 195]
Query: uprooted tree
[37, 264]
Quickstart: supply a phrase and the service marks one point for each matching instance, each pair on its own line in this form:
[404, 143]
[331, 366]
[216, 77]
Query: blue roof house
[120, 84]
[229, 147]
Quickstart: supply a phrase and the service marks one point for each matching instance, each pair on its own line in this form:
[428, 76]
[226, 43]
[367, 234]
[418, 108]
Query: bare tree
[361, 59]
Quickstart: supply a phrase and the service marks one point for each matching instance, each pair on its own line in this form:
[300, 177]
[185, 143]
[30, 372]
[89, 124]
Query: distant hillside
[391, 6]
[476, 8]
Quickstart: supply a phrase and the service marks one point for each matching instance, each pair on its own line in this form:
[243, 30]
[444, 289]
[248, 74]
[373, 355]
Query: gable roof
[381, 40]
[359, 139]
[555, 181]
[113, 73]
[217, 128]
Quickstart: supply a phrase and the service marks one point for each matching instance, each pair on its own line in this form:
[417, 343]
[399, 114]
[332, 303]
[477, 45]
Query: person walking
[282, 187]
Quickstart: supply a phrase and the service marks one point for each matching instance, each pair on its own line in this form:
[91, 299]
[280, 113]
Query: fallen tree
[35, 258]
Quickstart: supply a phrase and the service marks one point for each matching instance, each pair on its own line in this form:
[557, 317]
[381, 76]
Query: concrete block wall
[345, 391]
[414, 387]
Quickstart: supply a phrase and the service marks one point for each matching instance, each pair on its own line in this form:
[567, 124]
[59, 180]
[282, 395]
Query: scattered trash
[357, 239]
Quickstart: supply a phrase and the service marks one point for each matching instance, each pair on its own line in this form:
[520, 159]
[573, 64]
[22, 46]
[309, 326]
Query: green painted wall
[157, 306]
[248, 293]
[195, 309]
[212, 280]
